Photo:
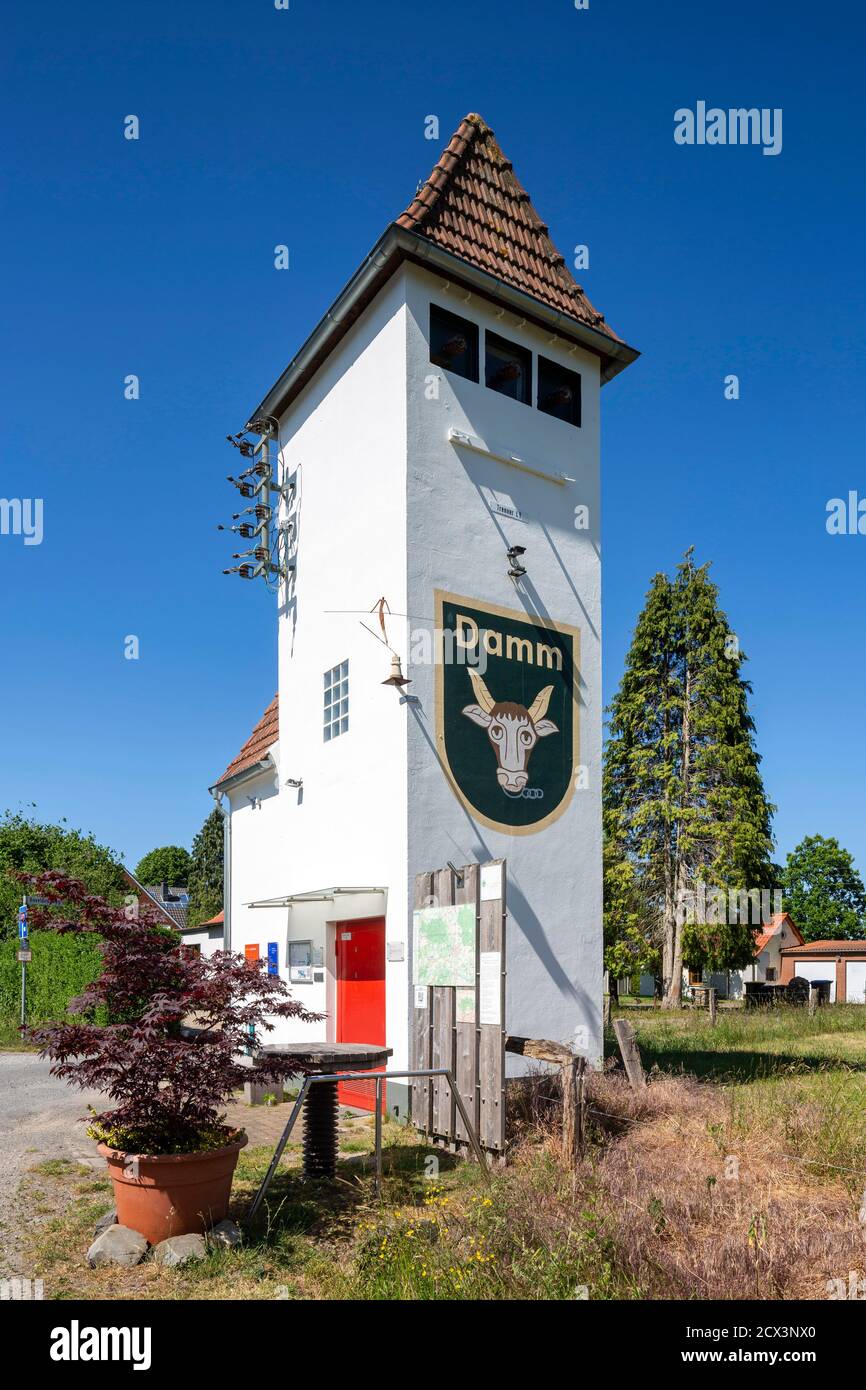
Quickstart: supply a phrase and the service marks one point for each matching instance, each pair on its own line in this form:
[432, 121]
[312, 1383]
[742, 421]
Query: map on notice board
[444, 945]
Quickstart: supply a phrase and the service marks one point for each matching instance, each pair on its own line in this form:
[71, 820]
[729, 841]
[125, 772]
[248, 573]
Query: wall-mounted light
[516, 569]
[396, 677]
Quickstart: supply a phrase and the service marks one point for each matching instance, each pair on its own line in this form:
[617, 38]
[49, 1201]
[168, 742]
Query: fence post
[573, 1100]
[630, 1055]
[813, 1000]
[711, 1005]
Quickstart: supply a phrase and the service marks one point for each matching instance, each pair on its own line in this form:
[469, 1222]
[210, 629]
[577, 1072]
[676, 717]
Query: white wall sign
[396, 950]
[491, 882]
[490, 988]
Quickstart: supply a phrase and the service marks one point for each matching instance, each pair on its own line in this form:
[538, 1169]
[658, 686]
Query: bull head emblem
[513, 731]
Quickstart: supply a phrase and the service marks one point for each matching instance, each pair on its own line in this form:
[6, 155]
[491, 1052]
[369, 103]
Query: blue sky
[306, 127]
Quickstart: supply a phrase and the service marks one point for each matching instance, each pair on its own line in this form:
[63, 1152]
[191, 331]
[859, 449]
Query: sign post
[25, 954]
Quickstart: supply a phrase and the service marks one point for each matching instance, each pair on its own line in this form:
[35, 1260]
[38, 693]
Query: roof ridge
[429, 192]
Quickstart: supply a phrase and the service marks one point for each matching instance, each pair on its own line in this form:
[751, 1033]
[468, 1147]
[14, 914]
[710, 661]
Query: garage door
[855, 991]
[818, 970]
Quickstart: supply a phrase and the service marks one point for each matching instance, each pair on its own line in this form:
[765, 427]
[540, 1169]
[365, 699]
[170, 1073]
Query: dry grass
[700, 1208]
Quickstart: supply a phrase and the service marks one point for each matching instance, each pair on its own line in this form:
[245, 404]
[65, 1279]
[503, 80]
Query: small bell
[396, 677]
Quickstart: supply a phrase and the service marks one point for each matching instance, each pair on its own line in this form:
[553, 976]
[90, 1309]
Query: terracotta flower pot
[172, 1194]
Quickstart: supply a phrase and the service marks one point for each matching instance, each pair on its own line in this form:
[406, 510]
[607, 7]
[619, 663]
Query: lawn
[798, 1078]
[739, 1173]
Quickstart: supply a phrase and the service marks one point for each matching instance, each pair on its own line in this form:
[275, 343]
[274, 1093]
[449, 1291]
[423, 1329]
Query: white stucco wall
[455, 543]
[207, 939]
[345, 439]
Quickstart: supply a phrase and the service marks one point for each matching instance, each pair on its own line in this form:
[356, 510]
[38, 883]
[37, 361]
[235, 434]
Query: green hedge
[60, 969]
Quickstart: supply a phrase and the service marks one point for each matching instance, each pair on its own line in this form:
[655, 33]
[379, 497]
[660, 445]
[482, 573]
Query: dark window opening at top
[558, 391]
[508, 368]
[453, 343]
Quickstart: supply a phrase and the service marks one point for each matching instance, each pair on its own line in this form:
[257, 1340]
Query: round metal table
[321, 1104]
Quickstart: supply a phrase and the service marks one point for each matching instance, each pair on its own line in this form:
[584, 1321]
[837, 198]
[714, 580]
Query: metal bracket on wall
[478, 446]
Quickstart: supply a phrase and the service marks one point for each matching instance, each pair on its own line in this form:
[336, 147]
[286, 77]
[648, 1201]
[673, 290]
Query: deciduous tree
[206, 871]
[28, 846]
[823, 891]
[169, 864]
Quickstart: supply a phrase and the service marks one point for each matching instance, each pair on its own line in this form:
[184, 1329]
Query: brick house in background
[775, 936]
[843, 963]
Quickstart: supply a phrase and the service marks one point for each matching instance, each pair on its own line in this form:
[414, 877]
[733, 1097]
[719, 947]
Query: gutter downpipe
[227, 868]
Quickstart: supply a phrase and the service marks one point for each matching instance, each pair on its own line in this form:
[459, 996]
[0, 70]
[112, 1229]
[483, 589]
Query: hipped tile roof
[264, 736]
[216, 921]
[474, 206]
[825, 948]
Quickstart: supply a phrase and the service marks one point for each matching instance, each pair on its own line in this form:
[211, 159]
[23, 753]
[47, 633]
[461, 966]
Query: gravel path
[39, 1118]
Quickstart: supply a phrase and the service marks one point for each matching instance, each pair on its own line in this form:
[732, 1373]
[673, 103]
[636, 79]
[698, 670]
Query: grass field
[739, 1173]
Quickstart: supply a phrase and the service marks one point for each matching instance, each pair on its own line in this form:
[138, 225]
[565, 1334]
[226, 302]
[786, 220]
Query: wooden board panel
[443, 1056]
[474, 1052]
[466, 1037]
[491, 1037]
[443, 1025]
[420, 1031]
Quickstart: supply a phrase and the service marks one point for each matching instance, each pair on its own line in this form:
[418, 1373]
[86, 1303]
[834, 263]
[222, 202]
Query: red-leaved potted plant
[169, 1035]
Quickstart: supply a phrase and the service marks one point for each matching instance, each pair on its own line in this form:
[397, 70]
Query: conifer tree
[684, 801]
[206, 871]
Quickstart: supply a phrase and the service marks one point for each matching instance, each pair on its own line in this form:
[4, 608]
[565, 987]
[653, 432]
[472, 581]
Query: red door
[361, 997]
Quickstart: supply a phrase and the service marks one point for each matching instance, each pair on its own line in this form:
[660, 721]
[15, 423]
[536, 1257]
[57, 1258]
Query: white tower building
[438, 439]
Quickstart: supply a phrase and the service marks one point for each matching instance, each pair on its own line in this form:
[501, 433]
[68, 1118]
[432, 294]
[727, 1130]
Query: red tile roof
[474, 206]
[825, 948]
[263, 737]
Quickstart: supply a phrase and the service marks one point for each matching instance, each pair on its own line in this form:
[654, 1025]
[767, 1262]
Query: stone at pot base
[179, 1250]
[225, 1234]
[117, 1245]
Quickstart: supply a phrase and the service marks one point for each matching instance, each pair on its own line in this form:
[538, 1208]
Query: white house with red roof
[436, 444]
[777, 934]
